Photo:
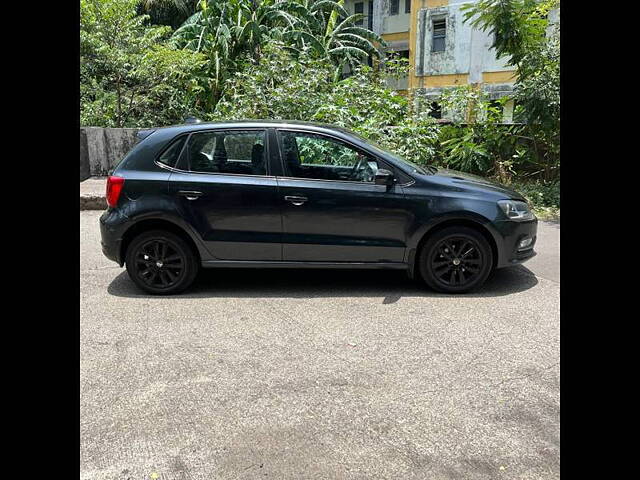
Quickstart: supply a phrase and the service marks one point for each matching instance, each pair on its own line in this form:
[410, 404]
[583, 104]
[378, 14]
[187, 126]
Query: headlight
[514, 210]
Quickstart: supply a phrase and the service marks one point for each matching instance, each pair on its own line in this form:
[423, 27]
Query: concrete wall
[467, 50]
[102, 148]
[382, 21]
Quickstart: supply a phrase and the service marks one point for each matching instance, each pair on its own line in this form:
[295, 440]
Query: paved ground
[307, 374]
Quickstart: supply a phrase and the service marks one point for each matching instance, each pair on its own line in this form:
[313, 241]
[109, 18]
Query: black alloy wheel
[160, 262]
[456, 260]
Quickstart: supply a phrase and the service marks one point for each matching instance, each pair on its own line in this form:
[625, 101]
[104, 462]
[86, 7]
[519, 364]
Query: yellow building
[442, 49]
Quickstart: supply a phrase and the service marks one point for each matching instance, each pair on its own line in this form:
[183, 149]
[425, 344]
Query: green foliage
[281, 87]
[230, 30]
[127, 77]
[523, 35]
[517, 26]
[167, 12]
[276, 87]
[542, 195]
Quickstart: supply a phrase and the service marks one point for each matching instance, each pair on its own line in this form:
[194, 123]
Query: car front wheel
[161, 262]
[455, 260]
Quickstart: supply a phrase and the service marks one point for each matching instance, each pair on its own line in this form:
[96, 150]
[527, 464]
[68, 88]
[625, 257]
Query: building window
[439, 34]
[435, 110]
[394, 7]
[359, 9]
[370, 16]
[407, 6]
[497, 108]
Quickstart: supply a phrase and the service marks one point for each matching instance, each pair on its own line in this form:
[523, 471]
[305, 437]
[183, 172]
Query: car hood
[475, 181]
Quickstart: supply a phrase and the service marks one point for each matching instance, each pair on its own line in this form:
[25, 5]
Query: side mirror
[384, 177]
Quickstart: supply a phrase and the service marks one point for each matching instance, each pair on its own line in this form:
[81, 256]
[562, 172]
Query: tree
[332, 33]
[172, 13]
[227, 30]
[522, 33]
[280, 86]
[127, 75]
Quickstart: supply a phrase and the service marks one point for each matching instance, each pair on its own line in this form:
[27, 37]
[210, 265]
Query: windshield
[422, 169]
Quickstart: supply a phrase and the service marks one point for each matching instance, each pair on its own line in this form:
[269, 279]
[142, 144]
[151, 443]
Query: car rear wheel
[455, 260]
[161, 263]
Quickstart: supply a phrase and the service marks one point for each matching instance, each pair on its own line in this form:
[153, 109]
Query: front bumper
[510, 251]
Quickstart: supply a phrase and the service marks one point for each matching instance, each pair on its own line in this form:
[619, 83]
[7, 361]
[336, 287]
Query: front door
[227, 195]
[332, 210]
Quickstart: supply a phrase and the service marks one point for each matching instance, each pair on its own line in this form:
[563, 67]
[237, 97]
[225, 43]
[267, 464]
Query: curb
[92, 194]
[93, 202]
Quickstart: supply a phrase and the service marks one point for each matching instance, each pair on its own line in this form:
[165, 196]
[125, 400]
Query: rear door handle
[295, 200]
[190, 194]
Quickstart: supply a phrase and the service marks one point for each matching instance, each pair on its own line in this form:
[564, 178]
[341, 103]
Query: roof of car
[258, 123]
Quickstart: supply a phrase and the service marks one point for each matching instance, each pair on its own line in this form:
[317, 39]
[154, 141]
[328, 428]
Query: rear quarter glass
[171, 154]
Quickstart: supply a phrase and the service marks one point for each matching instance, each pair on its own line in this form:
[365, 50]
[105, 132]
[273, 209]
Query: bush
[128, 78]
[540, 193]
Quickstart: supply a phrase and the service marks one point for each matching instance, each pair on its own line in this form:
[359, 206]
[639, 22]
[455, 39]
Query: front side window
[307, 155]
[233, 152]
[439, 35]
[407, 6]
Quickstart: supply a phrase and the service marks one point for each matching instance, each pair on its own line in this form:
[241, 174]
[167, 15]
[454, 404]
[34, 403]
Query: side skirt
[276, 264]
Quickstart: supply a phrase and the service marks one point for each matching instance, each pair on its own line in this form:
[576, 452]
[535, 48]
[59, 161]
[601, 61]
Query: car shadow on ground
[310, 283]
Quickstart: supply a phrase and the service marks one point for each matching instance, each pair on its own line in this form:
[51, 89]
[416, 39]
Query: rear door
[225, 191]
[332, 210]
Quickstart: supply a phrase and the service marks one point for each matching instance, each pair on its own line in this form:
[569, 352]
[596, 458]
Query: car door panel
[342, 221]
[330, 219]
[237, 216]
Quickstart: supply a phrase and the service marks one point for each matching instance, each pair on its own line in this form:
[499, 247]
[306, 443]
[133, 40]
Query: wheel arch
[149, 224]
[469, 221]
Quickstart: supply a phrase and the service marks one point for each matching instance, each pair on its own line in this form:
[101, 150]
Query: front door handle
[190, 194]
[295, 200]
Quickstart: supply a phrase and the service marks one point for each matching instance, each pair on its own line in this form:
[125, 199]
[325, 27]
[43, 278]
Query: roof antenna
[191, 119]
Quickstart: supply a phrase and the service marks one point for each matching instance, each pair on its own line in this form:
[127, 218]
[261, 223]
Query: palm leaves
[229, 30]
[331, 32]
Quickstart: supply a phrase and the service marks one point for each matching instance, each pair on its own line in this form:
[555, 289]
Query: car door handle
[190, 194]
[295, 200]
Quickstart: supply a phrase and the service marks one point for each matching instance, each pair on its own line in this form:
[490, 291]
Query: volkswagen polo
[283, 194]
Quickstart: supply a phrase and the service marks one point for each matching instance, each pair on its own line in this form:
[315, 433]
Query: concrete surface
[319, 374]
[93, 193]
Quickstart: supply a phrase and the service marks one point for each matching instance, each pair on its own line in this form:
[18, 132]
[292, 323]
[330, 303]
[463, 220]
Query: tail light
[114, 188]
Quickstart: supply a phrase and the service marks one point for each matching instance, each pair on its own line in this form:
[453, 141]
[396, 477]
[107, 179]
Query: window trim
[332, 137]
[215, 130]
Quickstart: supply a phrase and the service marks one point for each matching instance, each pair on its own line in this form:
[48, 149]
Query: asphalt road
[319, 374]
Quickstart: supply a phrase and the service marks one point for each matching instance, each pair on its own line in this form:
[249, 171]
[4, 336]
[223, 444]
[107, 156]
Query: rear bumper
[111, 236]
[510, 235]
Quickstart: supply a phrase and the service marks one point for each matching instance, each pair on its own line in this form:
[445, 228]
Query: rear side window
[171, 154]
[233, 151]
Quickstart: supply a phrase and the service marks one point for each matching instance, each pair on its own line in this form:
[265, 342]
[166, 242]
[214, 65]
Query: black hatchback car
[295, 194]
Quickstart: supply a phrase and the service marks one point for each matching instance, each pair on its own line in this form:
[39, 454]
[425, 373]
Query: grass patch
[548, 214]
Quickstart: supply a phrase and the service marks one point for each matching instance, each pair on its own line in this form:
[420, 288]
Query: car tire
[455, 260]
[161, 263]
